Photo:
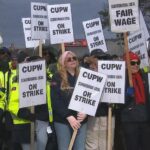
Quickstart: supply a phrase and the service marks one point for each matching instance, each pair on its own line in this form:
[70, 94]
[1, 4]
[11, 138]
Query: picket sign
[94, 34]
[39, 21]
[27, 33]
[114, 88]
[87, 93]
[124, 17]
[60, 23]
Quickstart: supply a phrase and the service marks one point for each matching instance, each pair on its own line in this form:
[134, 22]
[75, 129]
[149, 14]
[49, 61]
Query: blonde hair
[63, 70]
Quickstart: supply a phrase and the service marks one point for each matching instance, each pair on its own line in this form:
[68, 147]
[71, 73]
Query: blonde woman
[65, 120]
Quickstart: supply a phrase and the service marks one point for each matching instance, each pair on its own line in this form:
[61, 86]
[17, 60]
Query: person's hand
[74, 123]
[81, 116]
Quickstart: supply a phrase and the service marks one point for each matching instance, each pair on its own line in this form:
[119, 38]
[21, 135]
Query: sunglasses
[135, 62]
[70, 59]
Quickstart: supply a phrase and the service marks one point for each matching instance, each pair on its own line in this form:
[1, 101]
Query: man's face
[3, 55]
[94, 64]
[14, 63]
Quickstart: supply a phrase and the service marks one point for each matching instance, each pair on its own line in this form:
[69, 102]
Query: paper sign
[137, 44]
[87, 92]
[60, 23]
[39, 21]
[32, 83]
[115, 85]
[94, 34]
[124, 15]
[27, 34]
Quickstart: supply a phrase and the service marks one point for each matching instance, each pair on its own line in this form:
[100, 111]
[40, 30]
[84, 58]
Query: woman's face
[71, 61]
[135, 65]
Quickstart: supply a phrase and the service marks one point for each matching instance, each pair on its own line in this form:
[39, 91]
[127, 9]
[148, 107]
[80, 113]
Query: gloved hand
[25, 113]
[3, 90]
[130, 91]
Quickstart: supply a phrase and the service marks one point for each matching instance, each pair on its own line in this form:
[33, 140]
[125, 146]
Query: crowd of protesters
[130, 121]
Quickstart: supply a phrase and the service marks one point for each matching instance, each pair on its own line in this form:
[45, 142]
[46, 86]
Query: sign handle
[128, 59]
[40, 48]
[72, 139]
[109, 137]
[62, 48]
[32, 144]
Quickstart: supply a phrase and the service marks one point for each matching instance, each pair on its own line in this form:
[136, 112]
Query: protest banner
[60, 23]
[124, 15]
[115, 84]
[87, 92]
[39, 21]
[32, 83]
[27, 33]
[94, 34]
[137, 44]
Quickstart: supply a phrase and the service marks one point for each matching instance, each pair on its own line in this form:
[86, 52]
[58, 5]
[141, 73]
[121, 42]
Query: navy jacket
[61, 98]
[132, 112]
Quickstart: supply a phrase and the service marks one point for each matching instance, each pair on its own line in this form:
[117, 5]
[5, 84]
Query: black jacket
[132, 112]
[61, 98]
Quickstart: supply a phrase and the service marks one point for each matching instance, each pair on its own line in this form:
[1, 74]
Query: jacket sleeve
[58, 104]
[25, 113]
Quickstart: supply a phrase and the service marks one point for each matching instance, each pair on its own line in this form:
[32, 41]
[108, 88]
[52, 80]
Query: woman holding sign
[135, 114]
[65, 120]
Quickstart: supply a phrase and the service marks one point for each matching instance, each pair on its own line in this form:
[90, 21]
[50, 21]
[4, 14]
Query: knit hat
[4, 50]
[64, 55]
[132, 56]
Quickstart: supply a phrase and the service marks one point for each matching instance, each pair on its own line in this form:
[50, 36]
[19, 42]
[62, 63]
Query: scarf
[139, 88]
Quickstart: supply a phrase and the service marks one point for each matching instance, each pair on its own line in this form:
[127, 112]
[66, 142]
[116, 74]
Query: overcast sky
[11, 12]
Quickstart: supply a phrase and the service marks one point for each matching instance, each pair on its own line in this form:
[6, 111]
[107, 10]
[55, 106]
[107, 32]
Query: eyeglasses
[135, 62]
[69, 59]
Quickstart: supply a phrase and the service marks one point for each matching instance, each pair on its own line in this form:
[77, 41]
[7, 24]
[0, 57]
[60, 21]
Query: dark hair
[100, 54]
[21, 55]
[32, 58]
